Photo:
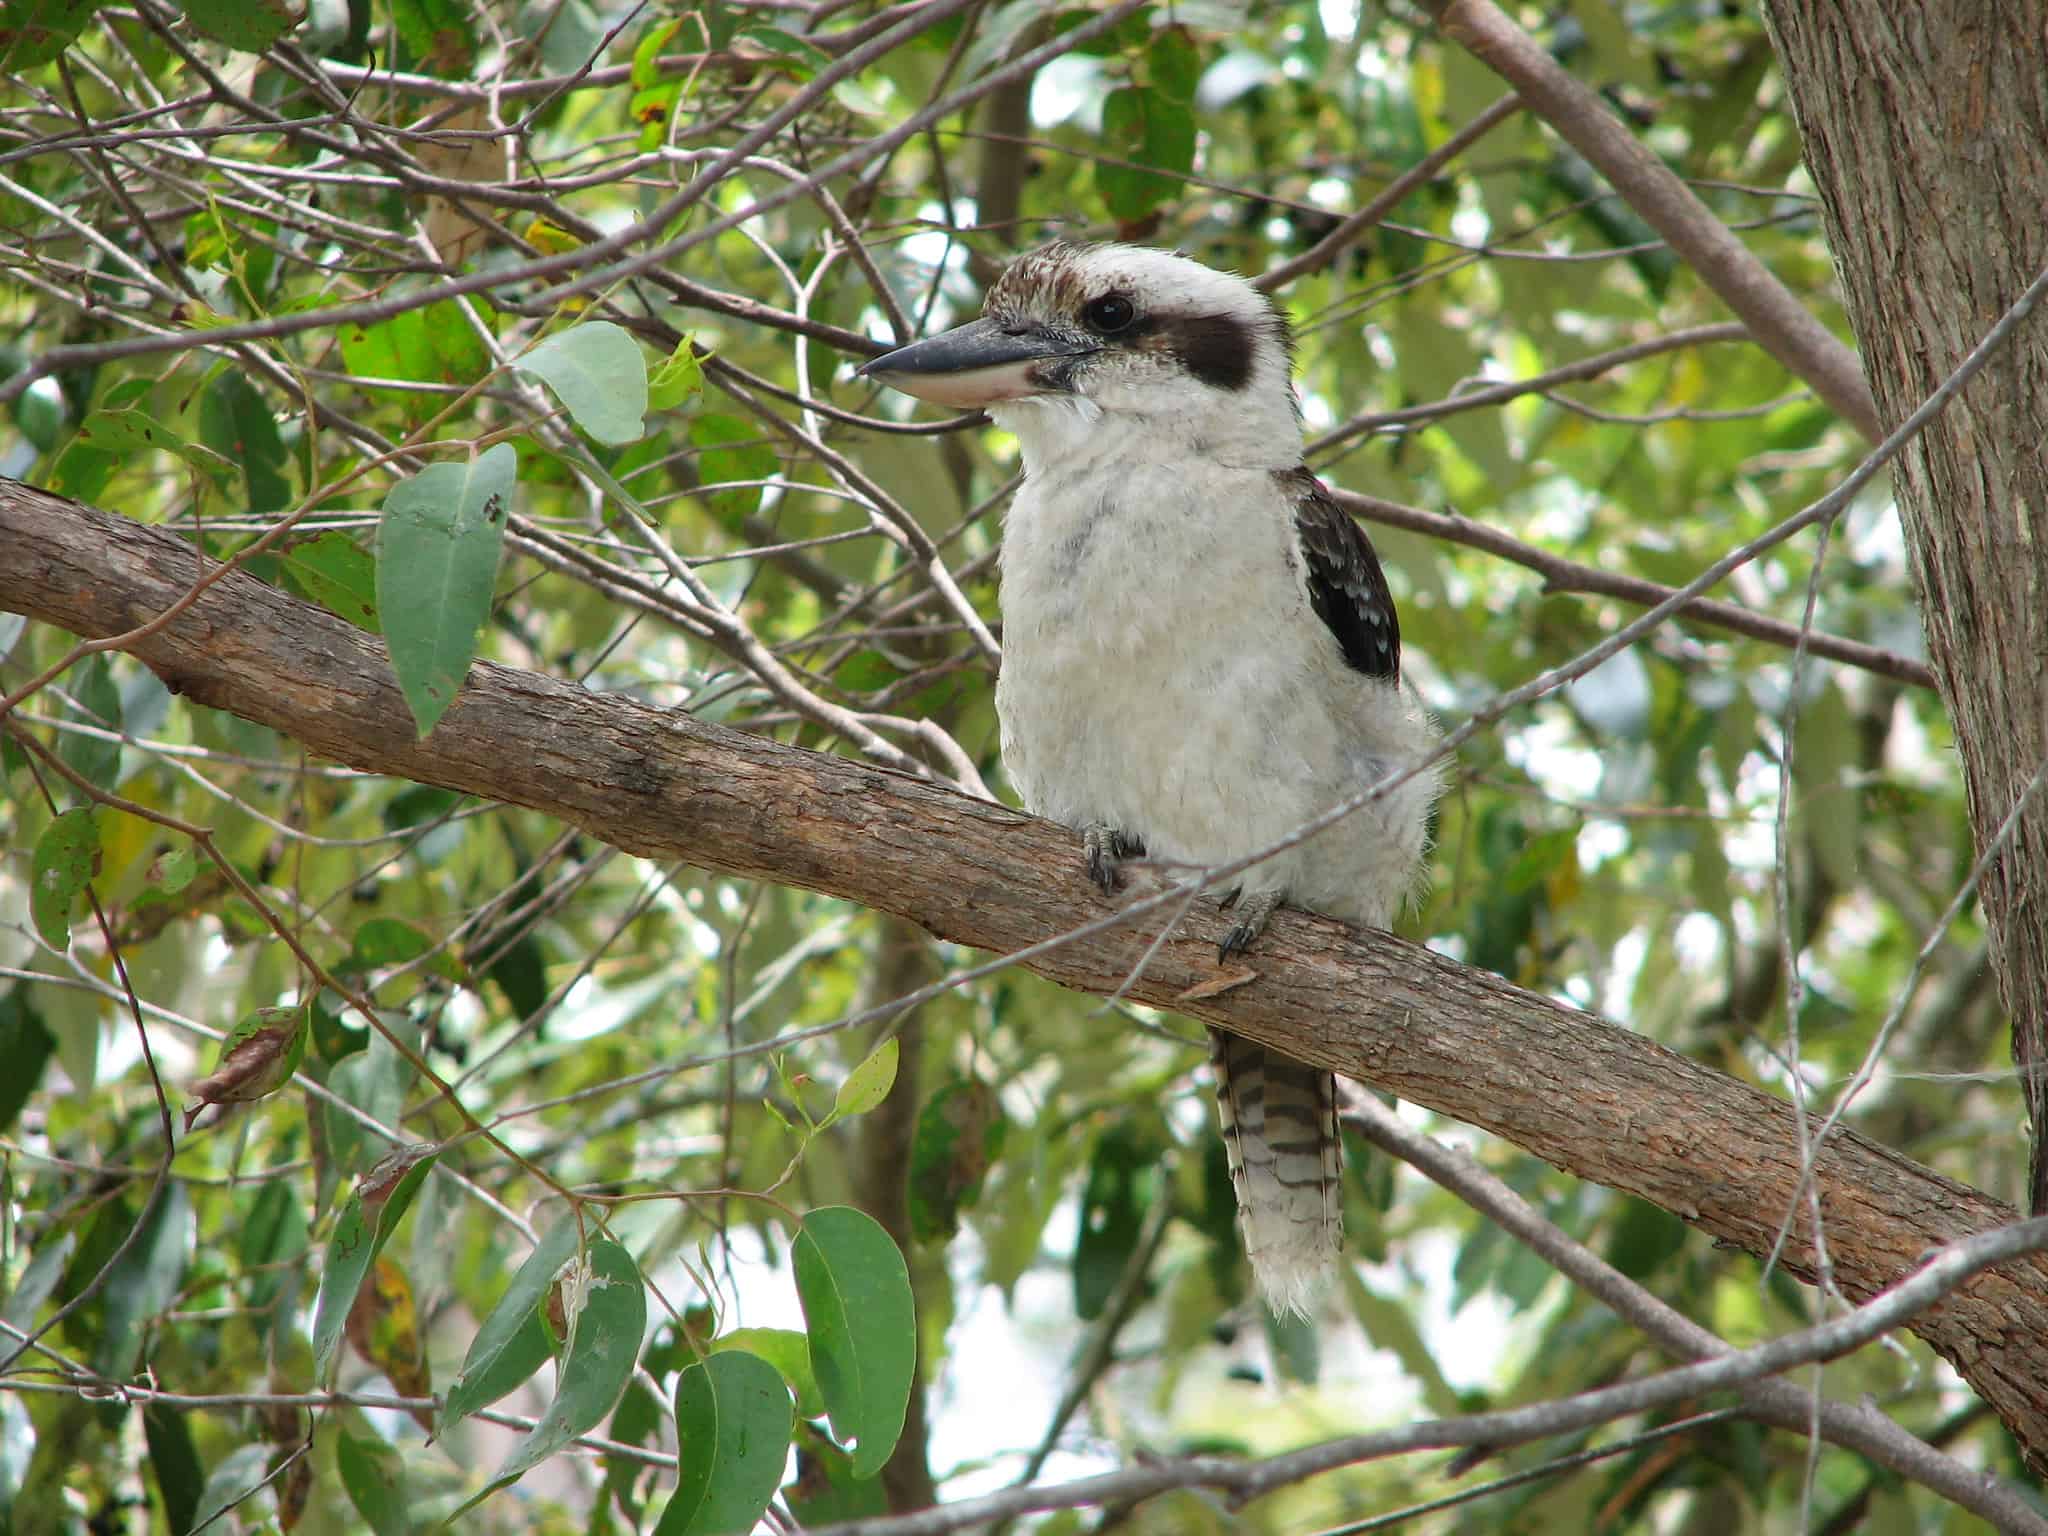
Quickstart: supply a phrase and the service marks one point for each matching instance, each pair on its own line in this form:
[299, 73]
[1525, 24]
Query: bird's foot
[1253, 913]
[1106, 848]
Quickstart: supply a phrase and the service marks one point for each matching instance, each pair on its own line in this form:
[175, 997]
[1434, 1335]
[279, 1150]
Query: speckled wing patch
[1346, 586]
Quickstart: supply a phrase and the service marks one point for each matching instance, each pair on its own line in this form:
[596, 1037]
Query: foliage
[400, 261]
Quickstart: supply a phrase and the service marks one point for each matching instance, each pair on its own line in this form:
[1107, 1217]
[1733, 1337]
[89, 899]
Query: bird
[1200, 650]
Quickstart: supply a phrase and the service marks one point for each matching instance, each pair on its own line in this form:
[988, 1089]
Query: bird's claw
[1106, 848]
[1253, 913]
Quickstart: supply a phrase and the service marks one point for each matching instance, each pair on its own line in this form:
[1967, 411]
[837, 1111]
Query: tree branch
[1771, 1400]
[1781, 324]
[1584, 1094]
[1247, 1480]
[1562, 575]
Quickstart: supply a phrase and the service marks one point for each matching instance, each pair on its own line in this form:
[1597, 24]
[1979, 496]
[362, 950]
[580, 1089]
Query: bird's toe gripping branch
[1253, 913]
[1106, 848]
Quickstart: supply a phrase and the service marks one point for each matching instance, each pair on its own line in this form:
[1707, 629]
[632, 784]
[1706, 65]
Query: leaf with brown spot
[383, 1327]
[257, 1058]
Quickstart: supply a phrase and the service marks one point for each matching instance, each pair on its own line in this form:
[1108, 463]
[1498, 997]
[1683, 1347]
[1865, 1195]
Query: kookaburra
[1200, 654]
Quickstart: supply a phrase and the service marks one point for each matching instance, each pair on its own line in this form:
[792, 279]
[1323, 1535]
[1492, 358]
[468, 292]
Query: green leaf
[143, 1280]
[1391, 1326]
[374, 1208]
[867, 1084]
[1153, 130]
[647, 54]
[89, 459]
[1291, 1340]
[25, 1045]
[250, 25]
[800, 55]
[513, 1340]
[95, 758]
[437, 565]
[640, 1419]
[1174, 64]
[1123, 1181]
[333, 1038]
[521, 970]
[864, 672]
[420, 806]
[733, 1424]
[598, 372]
[383, 941]
[732, 450]
[373, 1474]
[48, 1264]
[41, 415]
[67, 856]
[173, 869]
[856, 1298]
[437, 36]
[274, 1238]
[124, 432]
[960, 1132]
[120, 432]
[790, 1353]
[571, 33]
[1827, 813]
[1643, 1239]
[235, 422]
[173, 1461]
[237, 1475]
[997, 31]
[677, 378]
[339, 574]
[82, 471]
[35, 32]
[434, 344]
[604, 1343]
[650, 108]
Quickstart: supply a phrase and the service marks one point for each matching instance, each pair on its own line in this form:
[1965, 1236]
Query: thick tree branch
[1584, 1094]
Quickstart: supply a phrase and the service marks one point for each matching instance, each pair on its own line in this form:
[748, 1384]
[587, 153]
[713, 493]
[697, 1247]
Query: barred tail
[1280, 1134]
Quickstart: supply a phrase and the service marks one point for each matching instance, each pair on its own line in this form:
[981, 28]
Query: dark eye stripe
[1217, 349]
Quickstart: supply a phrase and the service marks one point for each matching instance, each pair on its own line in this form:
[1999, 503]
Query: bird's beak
[976, 364]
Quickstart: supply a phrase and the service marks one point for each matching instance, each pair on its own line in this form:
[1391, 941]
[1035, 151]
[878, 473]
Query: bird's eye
[1109, 314]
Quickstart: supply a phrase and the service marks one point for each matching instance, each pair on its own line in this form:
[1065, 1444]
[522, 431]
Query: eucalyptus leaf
[605, 1331]
[367, 1220]
[595, 369]
[513, 1342]
[733, 1421]
[437, 564]
[856, 1298]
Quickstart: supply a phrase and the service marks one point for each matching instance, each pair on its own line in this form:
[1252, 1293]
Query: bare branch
[1562, 575]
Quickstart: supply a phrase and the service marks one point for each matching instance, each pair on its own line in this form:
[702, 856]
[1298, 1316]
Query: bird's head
[1092, 342]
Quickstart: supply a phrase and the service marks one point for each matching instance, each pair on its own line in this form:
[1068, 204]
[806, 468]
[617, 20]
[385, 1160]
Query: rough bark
[1926, 132]
[1582, 1093]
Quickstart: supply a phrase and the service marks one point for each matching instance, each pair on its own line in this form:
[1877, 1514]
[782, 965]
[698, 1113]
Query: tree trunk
[1926, 131]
